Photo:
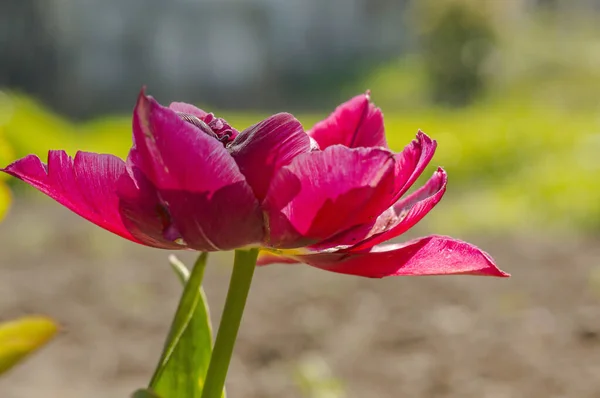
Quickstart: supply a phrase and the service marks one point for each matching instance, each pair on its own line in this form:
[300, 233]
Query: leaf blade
[23, 336]
[188, 348]
[180, 269]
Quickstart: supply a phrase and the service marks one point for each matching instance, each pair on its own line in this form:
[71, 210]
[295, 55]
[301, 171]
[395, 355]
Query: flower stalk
[239, 286]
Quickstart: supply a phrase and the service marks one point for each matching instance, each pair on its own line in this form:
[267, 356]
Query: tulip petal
[266, 147]
[324, 192]
[411, 162]
[407, 212]
[355, 123]
[144, 214]
[432, 255]
[86, 184]
[210, 203]
[190, 109]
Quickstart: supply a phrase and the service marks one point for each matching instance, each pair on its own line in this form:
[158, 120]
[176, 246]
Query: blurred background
[510, 89]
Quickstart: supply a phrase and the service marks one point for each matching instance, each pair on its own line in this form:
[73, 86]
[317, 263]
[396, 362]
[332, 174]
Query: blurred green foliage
[21, 337]
[144, 393]
[456, 37]
[510, 166]
[522, 156]
[5, 198]
[315, 378]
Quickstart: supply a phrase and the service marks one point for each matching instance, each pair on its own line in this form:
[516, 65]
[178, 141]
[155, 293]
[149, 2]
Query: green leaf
[21, 337]
[144, 393]
[182, 368]
[180, 269]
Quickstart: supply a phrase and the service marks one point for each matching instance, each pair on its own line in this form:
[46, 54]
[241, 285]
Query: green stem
[239, 286]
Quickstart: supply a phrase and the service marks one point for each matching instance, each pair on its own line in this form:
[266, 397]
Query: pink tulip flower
[329, 197]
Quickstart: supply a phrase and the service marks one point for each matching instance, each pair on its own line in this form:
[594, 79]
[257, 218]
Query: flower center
[216, 127]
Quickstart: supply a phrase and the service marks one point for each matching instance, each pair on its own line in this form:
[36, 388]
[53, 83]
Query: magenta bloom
[328, 197]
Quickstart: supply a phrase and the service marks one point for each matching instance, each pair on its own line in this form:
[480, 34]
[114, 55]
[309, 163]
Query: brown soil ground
[534, 335]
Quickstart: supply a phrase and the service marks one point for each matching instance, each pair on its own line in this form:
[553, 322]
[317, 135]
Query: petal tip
[145, 99]
[503, 274]
[491, 269]
[142, 94]
[283, 117]
[21, 167]
[441, 174]
[424, 138]
[142, 98]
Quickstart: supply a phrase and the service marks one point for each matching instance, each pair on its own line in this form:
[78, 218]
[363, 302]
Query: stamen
[196, 121]
[180, 242]
[211, 125]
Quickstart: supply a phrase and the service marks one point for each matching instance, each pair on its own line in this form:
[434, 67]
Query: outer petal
[355, 123]
[144, 214]
[412, 161]
[87, 185]
[396, 220]
[322, 193]
[432, 255]
[207, 197]
[407, 212]
[266, 147]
